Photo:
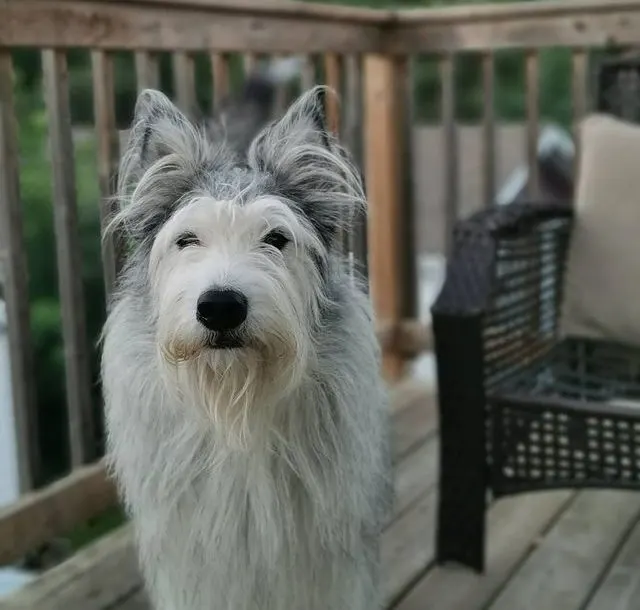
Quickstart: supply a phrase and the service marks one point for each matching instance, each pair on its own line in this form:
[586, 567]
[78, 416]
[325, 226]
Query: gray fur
[257, 478]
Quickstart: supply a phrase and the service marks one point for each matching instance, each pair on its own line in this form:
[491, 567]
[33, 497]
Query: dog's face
[237, 249]
[235, 282]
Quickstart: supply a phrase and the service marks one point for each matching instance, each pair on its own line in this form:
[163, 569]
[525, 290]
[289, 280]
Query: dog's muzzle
[222, 312]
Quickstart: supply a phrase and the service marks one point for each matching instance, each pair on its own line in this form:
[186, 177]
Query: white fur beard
[237, 392]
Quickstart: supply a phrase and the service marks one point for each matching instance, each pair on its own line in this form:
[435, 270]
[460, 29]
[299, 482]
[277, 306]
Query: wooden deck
[546, 551]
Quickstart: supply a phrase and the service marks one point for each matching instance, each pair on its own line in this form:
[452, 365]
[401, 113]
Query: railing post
[384, 135]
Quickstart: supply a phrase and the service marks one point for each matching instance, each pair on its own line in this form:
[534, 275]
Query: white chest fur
[282, 526]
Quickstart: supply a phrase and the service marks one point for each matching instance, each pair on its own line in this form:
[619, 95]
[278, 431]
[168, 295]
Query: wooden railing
[365, 54]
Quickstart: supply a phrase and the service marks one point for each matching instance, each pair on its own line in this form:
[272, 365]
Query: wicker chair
[520, 408]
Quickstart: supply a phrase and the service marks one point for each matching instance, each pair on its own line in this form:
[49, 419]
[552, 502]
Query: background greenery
[36, 186]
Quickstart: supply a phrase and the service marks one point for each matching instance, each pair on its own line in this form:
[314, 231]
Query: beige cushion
[602, 286]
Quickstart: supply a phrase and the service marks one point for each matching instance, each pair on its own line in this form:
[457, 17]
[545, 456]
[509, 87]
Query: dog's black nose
[222, 310]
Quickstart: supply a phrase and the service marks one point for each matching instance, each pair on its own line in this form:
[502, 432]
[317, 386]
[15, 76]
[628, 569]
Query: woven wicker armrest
[499, 307]
[470, 283]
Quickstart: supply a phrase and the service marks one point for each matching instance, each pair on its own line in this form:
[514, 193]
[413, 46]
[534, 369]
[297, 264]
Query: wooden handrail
[444, 14]
[267, 26]
[475, 13]
[270, 8]
[42, 515]
[189, 25]
[552, 23]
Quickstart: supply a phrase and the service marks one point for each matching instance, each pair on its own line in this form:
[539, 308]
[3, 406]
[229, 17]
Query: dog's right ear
[161, 139]
[158, 126]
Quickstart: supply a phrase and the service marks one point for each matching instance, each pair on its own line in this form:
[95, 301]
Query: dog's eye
[187, 239]
[276, 239]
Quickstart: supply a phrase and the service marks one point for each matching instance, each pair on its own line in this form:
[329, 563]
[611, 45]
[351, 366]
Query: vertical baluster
[488, 129]
[220, 71]
[184, 79]
[405, 118]
[450, 146]
[579, 95]
[352, 137]
[147, 71]
[280, 101]
[78, 380]
[533, 190]
[15, 276]
[107, 156]
[352, 122]
[249, 61]
[533, 122]
[333, 80]
[332, 70]
[308, 72]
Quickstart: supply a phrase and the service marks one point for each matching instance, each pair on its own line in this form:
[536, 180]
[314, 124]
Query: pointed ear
[303, 123]
[312, 107]
[309, 167]
[158, 130]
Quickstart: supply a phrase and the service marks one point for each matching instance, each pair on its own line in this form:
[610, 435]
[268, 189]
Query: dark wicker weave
[521, 408]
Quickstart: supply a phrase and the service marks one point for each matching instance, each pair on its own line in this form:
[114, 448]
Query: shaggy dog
[247, 420]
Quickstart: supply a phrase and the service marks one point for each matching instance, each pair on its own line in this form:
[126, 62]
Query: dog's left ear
[310, 169]
[304, 123]
[311, 107]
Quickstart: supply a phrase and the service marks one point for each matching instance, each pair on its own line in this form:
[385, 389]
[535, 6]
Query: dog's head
[238, 248]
